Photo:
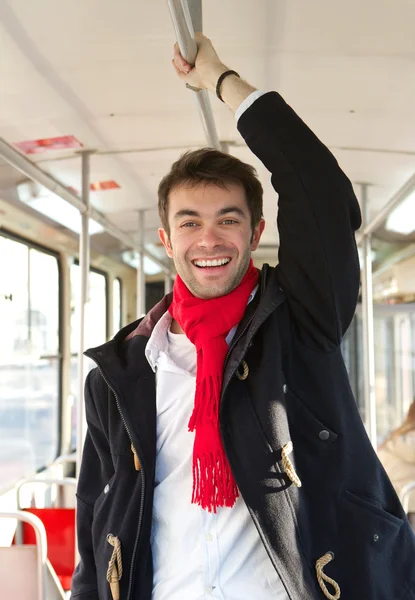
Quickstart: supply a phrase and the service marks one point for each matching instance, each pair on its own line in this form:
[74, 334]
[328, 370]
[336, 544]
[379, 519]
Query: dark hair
[208, 165]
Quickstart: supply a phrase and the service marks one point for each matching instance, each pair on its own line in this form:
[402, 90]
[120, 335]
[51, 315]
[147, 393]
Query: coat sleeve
[318, 213]
[96, 469]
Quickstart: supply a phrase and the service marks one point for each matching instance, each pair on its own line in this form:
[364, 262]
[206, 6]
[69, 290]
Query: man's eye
[189, 224]
[229, 221]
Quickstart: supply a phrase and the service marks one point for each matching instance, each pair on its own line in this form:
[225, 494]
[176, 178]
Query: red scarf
[207, 323]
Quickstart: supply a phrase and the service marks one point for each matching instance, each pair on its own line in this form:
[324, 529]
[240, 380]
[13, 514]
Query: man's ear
[256, 236]
[164, 238]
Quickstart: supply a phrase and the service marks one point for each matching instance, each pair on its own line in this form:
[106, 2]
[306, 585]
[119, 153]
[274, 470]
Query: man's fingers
[179, 72]
[179, 61]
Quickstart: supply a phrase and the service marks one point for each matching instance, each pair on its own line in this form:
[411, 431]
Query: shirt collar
[158, 341]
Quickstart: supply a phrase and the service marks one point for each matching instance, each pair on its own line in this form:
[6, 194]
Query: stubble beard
[212, 290]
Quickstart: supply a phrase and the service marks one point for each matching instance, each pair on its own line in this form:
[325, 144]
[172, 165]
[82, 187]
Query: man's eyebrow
[231, 209]
[188, 212]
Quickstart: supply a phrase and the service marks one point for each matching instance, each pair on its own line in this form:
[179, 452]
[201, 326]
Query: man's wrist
[213, 76]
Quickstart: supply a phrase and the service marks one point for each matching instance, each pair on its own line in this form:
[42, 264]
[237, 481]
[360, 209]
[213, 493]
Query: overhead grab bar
[183, 27]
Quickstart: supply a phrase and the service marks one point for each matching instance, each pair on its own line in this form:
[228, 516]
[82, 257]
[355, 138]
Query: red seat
[60, 531]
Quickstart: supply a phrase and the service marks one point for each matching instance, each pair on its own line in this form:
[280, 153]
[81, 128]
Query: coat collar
[124, 356]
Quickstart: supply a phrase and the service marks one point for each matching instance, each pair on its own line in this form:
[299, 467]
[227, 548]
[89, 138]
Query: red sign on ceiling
[56, 143]
[100, 186]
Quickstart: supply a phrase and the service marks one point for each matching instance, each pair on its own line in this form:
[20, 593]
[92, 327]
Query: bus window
[394, 335]
[29, 359]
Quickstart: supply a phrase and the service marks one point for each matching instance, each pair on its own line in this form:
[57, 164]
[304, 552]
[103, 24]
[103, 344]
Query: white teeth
[212, 263]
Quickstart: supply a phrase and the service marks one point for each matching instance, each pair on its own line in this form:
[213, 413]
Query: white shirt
[196, 554]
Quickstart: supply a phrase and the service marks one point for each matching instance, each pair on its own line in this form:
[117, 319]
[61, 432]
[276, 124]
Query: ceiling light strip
[35, 173]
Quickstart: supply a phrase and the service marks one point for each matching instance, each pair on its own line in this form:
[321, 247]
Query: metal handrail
[183, 27]
[41, 545]
[405, 493]
[56, 481]
[45, 481]
[35, 173]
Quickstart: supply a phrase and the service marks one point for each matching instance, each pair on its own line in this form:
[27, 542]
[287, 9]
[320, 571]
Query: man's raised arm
[318, 212]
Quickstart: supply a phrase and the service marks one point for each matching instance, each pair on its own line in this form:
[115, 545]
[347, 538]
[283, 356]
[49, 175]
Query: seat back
[60, 532]
[19, 573]
[41, 550]
[59, 523]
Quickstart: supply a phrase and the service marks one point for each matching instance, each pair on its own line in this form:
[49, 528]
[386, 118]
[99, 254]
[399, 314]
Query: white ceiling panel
[101, 71]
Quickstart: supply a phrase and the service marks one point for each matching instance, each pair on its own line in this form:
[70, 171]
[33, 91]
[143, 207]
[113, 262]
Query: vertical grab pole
[83, 299]
[84, 260]
[206, 116]
[184, 30]
[368, 327]
[84, 267]
[141, 276]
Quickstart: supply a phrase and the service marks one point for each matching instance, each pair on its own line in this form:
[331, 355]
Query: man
[189, 487]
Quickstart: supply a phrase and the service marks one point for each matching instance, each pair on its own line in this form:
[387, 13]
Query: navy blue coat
[297, 390]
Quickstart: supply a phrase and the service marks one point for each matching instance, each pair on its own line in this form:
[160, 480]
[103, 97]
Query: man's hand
[206, 72]
[207, 69]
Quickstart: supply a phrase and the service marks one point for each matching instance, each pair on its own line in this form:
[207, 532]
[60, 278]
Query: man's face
[208, 223]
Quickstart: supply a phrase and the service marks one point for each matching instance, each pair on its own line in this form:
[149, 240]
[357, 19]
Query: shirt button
[209, 537]
[209, 589]
[324, 435]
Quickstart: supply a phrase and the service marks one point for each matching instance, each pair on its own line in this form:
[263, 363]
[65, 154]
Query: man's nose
[210, 237]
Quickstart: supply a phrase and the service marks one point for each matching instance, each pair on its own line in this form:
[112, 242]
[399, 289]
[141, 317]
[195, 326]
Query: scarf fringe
[213, 482]
[206, 406]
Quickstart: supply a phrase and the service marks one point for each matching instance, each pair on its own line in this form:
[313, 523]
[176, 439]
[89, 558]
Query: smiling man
[225, 457]
[210, 227]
